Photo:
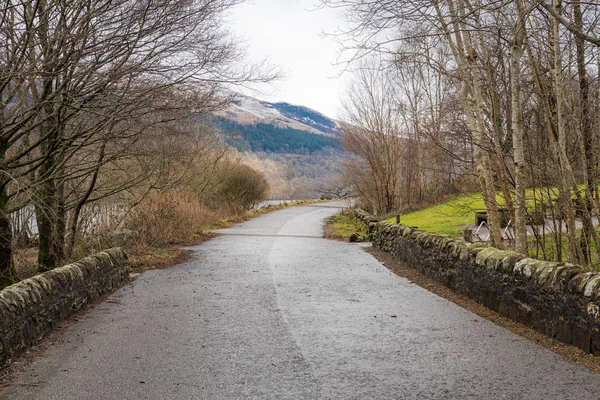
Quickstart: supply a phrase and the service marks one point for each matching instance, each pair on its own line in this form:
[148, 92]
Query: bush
[242, 188]
[169, 218]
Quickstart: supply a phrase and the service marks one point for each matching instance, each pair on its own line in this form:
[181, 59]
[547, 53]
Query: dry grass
[168, 218]
[26, 262]
[147, 258]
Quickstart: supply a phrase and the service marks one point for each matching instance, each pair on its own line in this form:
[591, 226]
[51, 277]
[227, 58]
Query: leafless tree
[525, 72]
[372, 132]
[72, 77]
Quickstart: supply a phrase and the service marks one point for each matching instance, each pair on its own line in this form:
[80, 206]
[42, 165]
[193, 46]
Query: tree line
[499, 95]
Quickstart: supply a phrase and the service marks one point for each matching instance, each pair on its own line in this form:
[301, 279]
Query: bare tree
[499, 93]
[372, 132]
[73, 75]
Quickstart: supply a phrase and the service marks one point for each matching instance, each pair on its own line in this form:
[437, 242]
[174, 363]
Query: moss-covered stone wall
[33, 307]
[560, 300]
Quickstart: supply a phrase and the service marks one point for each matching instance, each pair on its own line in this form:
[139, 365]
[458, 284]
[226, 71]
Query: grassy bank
[448, 217]
[342, 225]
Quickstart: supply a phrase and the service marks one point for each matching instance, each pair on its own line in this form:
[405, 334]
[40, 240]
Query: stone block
[578, 282]
[474, 248]
[591, 287]
[559, 278]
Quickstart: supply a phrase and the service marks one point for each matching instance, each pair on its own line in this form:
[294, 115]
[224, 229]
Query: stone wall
[560, 300]
[33, 307]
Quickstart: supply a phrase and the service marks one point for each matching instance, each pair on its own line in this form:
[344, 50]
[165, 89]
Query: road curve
[271, 310]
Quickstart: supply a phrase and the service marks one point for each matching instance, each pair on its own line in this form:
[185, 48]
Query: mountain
[247, 110]
[297, 148]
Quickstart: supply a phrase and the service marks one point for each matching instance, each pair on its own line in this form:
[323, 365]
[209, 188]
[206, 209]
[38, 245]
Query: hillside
[297, 148]
[274, 139]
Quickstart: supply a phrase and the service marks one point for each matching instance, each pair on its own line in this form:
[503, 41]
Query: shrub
[242, 188]
[169, 218]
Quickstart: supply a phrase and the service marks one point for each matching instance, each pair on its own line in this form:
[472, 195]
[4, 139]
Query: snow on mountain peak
[248, 110]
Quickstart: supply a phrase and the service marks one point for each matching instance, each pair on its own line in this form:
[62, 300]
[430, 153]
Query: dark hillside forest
[272, 139]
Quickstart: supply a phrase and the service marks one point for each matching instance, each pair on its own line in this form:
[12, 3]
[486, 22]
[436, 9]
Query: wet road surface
[271, 310]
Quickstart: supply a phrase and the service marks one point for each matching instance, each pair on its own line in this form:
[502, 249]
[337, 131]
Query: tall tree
[74, 73]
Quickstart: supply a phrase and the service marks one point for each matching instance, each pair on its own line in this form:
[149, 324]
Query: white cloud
[289, 34]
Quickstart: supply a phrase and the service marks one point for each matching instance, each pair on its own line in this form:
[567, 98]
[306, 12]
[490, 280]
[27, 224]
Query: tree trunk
[45, 214]
[8, 273]
[472, 99]
[60, 227]
[587, 138]
[517, 128]
[566, 175]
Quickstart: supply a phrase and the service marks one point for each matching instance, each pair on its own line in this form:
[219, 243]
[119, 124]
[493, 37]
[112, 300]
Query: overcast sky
[289, 34]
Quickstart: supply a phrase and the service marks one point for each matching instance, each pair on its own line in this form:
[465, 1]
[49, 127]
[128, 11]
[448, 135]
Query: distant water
[273, 202]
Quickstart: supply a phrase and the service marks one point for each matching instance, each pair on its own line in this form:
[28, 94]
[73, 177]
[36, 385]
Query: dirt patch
[144, 259]
[569, 352]
[330, 233]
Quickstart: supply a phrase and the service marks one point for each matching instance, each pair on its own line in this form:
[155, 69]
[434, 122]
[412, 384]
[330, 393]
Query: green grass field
[447, 217]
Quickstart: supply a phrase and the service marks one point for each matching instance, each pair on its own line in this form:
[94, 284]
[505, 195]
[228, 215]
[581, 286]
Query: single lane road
[272, 310]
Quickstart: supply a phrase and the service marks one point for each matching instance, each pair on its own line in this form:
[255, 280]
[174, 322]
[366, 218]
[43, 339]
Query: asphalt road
[271, 310]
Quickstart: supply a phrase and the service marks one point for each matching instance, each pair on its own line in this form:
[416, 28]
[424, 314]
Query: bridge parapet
[33, 307]
[561, 300]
